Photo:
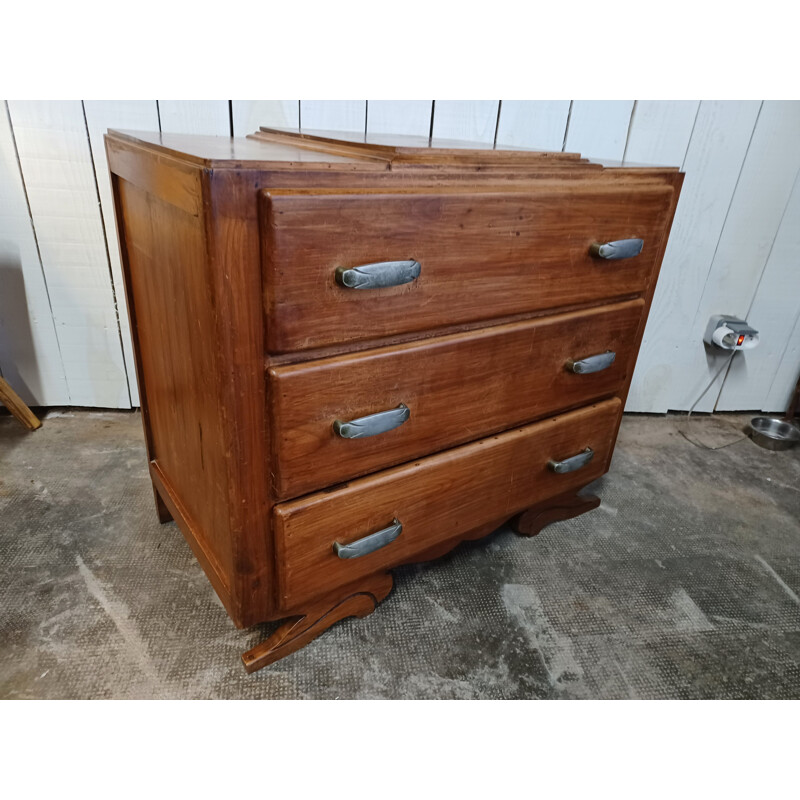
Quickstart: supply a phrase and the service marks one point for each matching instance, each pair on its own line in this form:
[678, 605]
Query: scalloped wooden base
[298, 631]
[359, 600]
[556, 509]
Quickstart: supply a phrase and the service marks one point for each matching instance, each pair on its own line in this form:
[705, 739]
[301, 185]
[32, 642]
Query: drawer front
[436, 499]
[455, 388]
[480, 256]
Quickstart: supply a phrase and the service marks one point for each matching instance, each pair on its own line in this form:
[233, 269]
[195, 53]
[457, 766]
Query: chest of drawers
[356, 354]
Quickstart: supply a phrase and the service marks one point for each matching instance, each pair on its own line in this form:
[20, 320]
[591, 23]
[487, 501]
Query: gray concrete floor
[683, 584]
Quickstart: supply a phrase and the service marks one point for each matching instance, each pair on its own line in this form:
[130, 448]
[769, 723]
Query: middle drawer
[455, 388]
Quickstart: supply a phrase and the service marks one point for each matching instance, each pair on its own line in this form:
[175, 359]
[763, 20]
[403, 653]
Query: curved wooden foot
[298, 631]
[564, 506]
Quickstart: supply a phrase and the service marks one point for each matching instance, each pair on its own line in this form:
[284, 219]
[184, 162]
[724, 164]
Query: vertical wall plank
[30, 359]
[735, 250]
[660, 131]
[333, 115]
[210, 117]
[599, 128]
[713, 162]
[761, 196]
[250, 115]
[57, 170]
[786, 375]
[753, 381]
[466, 120]
[101, 115]
[539, 124]
[409, 117]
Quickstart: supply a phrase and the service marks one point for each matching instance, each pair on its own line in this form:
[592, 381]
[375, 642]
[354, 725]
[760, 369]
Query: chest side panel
[170, 285]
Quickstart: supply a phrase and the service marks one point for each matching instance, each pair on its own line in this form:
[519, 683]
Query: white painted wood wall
[64, 333]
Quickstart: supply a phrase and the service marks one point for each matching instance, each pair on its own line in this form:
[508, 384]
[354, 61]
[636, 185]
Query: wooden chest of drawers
[356, 354]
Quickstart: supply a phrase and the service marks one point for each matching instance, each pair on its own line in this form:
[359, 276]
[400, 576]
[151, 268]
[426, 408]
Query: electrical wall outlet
[730, 333]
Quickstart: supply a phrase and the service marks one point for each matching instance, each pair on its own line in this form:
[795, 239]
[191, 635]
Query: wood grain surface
[171, 301]
[247, 350]
[482, 256]
[458, 388]
[436, 499]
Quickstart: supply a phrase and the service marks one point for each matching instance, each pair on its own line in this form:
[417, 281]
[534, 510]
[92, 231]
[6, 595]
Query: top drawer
[481, 255]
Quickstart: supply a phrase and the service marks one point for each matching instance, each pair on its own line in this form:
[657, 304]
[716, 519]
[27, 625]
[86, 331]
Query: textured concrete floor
[684, 584]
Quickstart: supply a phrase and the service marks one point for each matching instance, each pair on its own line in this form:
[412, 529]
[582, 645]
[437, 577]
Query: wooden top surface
[222, 151]
[270, 148]
[404, 148]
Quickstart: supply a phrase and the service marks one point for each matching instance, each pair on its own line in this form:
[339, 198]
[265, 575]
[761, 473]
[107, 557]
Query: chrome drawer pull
[592, 363]
[572, 463]
[373, 424]
[369, 544]
[378, 276]
[624, 248]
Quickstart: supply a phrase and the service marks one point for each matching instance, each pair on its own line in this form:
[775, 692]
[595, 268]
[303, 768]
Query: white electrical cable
[685, 435]
[716, 375]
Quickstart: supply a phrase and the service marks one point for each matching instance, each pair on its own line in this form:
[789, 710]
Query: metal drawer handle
[572, 463]
[373, 424]
[592, 363]
[378, 276]
[624, 248]
[369, 544]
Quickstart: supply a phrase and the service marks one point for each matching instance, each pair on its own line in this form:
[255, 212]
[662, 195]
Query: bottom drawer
[434, 499]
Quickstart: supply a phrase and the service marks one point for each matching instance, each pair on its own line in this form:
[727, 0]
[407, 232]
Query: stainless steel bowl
[773, 433]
